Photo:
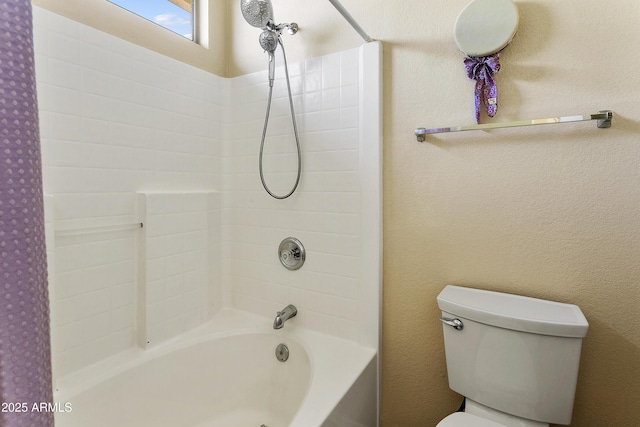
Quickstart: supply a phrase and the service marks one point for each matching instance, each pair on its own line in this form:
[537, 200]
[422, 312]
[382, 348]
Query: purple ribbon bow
[481, 69]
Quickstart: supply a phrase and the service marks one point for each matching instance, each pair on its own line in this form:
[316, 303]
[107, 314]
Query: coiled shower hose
[295, 131]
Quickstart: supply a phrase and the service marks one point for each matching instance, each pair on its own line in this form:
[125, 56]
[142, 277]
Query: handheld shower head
[257, 13]
[269, 42]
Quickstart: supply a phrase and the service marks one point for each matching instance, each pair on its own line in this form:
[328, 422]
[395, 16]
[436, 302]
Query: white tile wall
[180, 240]
[326, 213]
[117, 119]
[93, 277]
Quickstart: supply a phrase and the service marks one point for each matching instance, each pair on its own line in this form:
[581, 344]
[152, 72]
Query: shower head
[257, 13]
[268, 40]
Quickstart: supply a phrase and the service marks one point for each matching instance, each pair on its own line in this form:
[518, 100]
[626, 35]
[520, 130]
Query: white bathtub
[226, 374]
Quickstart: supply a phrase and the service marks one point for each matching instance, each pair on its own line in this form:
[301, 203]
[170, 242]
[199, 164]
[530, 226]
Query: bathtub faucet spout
[287, 313]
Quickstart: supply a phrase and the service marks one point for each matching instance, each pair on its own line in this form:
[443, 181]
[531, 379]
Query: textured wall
[550, 212]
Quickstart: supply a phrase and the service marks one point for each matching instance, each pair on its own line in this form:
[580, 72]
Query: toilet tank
[516, 354]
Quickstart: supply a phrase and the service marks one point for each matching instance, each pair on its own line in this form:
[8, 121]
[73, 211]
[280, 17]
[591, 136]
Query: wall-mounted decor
[482, 30]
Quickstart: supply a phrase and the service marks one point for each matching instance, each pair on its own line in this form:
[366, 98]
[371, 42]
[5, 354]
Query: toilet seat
[463, 419]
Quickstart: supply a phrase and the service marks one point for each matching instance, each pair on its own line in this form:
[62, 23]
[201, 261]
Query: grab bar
[604, 118]
[97, 229]
[350, 20]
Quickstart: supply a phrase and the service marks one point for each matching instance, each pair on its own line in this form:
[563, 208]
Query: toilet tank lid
[515, 312]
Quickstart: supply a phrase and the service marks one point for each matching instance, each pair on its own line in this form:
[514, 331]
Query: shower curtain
[25, 355]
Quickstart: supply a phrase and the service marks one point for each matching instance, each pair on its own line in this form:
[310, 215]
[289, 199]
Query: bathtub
[226, 374]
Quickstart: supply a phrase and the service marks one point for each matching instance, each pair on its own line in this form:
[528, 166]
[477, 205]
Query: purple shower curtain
[25, 354]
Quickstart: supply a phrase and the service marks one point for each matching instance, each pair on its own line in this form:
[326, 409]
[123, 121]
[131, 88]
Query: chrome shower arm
[291, 28]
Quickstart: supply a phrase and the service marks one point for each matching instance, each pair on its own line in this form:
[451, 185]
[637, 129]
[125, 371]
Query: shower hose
[295, 131]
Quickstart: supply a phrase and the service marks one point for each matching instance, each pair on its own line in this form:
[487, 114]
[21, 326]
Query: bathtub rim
[335, 363]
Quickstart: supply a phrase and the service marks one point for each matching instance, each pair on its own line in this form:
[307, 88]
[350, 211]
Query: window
[174, 15]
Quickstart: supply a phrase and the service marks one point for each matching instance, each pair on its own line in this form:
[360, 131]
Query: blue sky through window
[162, 12]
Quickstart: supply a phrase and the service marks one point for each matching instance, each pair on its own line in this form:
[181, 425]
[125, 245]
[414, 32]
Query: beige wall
[550, 212]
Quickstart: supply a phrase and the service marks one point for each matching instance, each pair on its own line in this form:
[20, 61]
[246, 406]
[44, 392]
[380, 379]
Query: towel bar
[97, 229]
[604, 118]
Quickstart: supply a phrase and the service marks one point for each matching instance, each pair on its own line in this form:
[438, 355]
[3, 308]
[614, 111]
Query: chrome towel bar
[604, 118]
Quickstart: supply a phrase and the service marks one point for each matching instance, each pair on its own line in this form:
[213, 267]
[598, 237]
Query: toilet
[515, 359]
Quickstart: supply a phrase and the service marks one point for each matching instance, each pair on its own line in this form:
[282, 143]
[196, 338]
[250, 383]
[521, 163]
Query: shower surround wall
[118, 122]
[124, 128]
[335, 211]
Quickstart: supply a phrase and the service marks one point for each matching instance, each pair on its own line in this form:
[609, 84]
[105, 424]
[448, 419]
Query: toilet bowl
[477, 415]
[514, 358]
[463, 419]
